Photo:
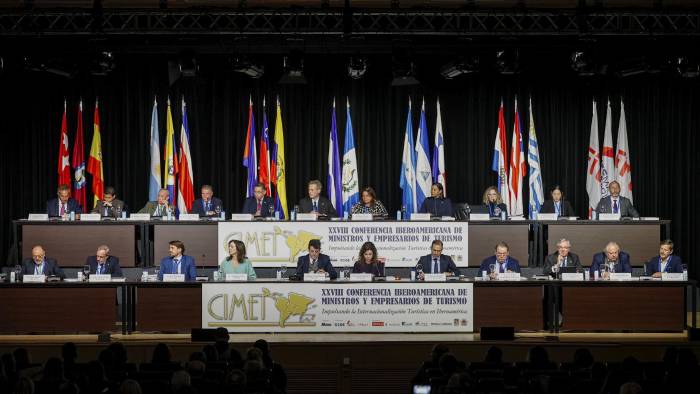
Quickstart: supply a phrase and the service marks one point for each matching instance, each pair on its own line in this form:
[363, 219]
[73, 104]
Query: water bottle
[398, 216]
[685, 272]
[503, 215]
[594, 215]
[144, 276]
[279, 273]
[170, 215]
[223, 215]
[277, 215]
[345, 215]
[12, 277]
[403, 212]
[413, 276]
[123, 214]
[72, 216]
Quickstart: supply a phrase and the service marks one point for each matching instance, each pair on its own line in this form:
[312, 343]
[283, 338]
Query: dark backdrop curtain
[662, 116]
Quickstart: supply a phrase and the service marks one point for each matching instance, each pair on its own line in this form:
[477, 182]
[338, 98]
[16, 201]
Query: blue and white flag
[408, 168]
[535, 176]
[424, 174]
[154, 181]
[351, 178]
[439, 174]
[333, 181]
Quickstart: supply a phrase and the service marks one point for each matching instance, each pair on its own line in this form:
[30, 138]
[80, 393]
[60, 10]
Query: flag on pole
[607, 171]
[408, 169]
[533, 161]
[500, 154]
[63, 155]
[79, 162]
[170, 156]
[424, 174]
[264, 161]
[185, 187]
[439, 174]
[333, 181]
[593, 170]
[351, 177]
[623, 171]
[154, 180]
[249, 153]
[279, 166]
[94, 166]
[518, 168]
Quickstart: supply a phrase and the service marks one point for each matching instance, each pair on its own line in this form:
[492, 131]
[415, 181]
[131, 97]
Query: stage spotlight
[52, 66]
[631, 67]
[242, 64]
[507, 61]
[185, 66]
[459, 67]
[293, 68]
[103, 64]
[357, 67]
[687, 68]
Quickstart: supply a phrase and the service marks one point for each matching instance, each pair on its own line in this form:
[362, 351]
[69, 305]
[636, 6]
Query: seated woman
[367, 261]
[237, 262]
[369, 204]
[437, 204]
[557, 204]
[492, 199]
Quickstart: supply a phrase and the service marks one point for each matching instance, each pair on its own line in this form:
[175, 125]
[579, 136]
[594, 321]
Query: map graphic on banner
[339, 307]
[269, 244]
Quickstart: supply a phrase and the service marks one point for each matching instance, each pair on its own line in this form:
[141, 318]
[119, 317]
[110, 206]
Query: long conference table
[142, 243]
[526, 305]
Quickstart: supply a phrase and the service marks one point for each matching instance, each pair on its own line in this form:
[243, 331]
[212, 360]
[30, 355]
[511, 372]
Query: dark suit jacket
[622, 265]
[572, 260]
[446, 264]
[198, 207]
[111, 211]
[72, 206]
[675, 264]
[151, 207]
[496, 213]
[566, 209]
[325, 207]
[625, 206]
[187, 267]
[324, 263]
[50, 268]
[111, 266]
[250, 205]
[437, 206]
[511, 264]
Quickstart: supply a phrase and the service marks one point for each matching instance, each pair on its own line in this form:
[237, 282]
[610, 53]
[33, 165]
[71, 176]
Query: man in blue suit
[436, 262]
[206, 206]
[501, 261]
[63, 204]
[664, 262]
[315, 261]
[39, 264]
[612, 256]
[104, 264]
[258, 204]
[178, 262]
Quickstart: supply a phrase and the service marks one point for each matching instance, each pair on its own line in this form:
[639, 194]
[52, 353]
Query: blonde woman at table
[237, 262]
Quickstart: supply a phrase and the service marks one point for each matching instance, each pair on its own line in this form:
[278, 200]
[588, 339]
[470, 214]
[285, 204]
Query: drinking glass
[86, 271]
[283, 270]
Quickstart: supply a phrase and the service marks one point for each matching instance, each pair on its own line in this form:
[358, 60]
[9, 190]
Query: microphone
[435, 201]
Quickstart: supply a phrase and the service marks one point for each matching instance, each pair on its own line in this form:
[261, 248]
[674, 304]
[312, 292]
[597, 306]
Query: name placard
[435, 277]
[417, 217]
[236, 277]
[516, 218]
[620, 276]
[360, 277]
[547, 216]
[572, 276]
[90, 217]
[241, 217]
[514, 276]
[315, 277]
[303, 217]
[38, 217]
[188, 216]
[363, 216]
[173, 277]
[34, 278]
[479, 217]
[94, 278]
[140, 216]
[447, 218]
[609, 217]
[672, 276]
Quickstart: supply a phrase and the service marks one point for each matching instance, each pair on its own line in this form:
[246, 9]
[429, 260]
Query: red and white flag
[607, 171]
[64, 177]
[500, 157]
[593, 169]
[185, 188]
[623, 171]
[517, 167]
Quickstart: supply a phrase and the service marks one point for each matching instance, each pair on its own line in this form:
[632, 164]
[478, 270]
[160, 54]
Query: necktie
[501, 267]
[315, 206]
[99, 269]
[314, 266]
[614, 206]
[177, 266]
[39, 269]
[157, 212]
[557, 207]
[208, 207]
[259, 209]
[63, 209]
[436, 267]
[563, 262]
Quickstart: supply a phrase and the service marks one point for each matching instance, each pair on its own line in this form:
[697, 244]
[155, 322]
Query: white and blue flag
[408, 168]
[535, 175]
[154, 181]
[424, 175]
[351, 178]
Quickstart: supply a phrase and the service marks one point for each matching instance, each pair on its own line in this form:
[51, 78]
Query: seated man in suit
[615, 203]
[161, 207]
[110, 207]
[664, 262]
[177, 262]
[561, 258]
[315, 261]
[63, 204]
[104, 264]
[39, 264]
[436, 262]
[437, 204]
[611, 257]
[557, 204]
[315, 202]
[500, 262]
[208, 205]
[258, 204]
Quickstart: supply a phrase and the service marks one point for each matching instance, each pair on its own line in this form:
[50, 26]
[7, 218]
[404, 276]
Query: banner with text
[270, 244]
[339, 307]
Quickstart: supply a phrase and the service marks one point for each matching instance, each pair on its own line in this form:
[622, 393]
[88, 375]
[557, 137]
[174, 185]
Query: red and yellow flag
[94, 166]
